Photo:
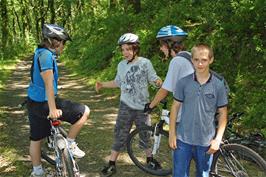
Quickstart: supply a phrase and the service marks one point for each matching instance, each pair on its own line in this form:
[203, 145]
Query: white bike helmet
[55, 32]
[171, 32]
[128, 38]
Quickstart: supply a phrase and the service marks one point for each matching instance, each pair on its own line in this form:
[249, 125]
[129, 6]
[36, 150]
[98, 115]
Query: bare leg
[75, 128]
[114, 155]
[35, 152]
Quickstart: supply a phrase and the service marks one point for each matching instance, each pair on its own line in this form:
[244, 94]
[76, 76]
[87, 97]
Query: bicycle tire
[238, 161]
[137, 152]
[47, 153]
[67, 165]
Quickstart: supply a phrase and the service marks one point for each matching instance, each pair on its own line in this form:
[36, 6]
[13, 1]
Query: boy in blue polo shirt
[201, 94]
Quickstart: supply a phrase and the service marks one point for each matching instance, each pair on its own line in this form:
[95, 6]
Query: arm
[47, 77]
[108, 84]
[215, 143]
[161, 94]
[172, 126]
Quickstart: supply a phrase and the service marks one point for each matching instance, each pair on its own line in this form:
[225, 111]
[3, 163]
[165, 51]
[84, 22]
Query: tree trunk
[4, 16]
[52, 10]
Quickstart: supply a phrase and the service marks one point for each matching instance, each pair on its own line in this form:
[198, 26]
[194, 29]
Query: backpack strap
[185, 55]
[39, 65]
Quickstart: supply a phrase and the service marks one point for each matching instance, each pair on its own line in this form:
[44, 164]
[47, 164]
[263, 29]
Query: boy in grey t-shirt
[134, 73]
[201, 94]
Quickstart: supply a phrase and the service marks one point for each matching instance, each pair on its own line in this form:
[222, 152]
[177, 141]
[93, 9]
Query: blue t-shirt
[44, 59]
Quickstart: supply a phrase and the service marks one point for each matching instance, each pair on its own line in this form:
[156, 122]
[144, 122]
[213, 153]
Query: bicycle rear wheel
[140, 143]
[238, 161]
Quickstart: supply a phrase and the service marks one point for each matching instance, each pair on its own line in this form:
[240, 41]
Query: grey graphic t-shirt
[133, 80]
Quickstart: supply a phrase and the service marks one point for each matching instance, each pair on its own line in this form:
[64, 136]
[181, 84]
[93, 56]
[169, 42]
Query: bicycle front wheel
[238, 161]
[141, 143]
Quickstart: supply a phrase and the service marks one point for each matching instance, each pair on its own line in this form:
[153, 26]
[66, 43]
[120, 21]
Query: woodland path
[95, 138]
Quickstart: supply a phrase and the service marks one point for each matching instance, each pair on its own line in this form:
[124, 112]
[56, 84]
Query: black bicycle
[230, 160]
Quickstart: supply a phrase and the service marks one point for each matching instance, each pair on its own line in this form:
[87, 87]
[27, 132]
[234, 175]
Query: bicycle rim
[140, 143]
[238, 161]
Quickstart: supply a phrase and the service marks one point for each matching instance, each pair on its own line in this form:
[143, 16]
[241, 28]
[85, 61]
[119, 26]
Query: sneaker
[154, 164]
[76, 151]
[109, 170]
[37, 175]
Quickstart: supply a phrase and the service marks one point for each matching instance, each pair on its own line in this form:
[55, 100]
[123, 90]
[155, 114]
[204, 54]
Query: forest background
[236, 29]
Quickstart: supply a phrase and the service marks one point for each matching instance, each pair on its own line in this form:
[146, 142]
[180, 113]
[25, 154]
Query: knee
[86, 114]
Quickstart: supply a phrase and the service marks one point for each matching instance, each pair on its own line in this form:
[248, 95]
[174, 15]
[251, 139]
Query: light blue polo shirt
[199, 105]
[44, 59]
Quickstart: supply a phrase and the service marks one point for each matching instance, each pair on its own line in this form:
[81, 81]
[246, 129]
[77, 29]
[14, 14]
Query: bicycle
[57, 152]
[230, 160]
[156, 142]
[254, 140]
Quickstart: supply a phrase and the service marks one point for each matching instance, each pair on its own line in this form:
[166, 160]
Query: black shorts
[38, 112]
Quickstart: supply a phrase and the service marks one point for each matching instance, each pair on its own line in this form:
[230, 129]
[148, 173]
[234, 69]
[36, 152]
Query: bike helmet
[171, 32]
[128, 38]
[55, 31]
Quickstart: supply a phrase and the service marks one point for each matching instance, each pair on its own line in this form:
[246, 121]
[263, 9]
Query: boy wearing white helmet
[134, 73]
[43, 100]
[171, 38]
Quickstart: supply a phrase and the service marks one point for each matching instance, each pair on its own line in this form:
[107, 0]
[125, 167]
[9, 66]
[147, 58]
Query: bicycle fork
[157, 137]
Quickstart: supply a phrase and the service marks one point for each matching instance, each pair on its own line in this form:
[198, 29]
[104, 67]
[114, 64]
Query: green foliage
[235, 29]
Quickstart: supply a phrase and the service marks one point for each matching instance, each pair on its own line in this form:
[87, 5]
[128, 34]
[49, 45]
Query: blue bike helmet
[52, 31]
[171, 32]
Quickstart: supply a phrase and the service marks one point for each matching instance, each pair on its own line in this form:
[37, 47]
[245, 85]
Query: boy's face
[60, 48]
[201, 60]
[164, 49]
[127, 51]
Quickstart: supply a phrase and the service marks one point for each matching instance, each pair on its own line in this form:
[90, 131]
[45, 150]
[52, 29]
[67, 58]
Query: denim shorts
[183, 155]
[38, 112]
[125, 119]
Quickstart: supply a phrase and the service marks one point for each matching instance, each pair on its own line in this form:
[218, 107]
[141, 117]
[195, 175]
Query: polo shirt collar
[195, 77]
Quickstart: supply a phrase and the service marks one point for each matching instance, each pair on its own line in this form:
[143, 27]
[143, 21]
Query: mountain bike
[254, 140]
[58, 152]
[230, 160]
[156, 142]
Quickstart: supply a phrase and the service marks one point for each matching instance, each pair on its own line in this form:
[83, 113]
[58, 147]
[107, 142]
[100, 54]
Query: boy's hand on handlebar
[56, 113]
[147, 108]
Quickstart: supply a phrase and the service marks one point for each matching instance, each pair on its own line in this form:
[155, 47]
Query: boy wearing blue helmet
[134, 73]
[171, 38]
[43, 100]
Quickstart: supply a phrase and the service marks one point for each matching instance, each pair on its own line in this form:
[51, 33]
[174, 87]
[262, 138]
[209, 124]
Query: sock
[38, 170]
[111, 163]
[70, 141]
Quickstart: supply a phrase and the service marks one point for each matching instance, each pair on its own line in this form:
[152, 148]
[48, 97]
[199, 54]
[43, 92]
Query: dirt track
[95, 138]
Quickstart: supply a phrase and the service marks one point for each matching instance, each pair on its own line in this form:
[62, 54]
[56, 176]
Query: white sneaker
[37, 175]
[76, 151]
